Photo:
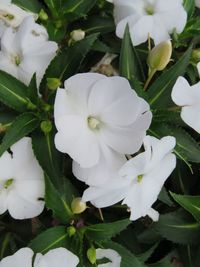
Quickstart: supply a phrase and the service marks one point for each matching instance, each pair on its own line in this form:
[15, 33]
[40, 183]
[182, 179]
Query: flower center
[16, 59]
[149, 9]
[139, 178]
[6, 16]
[8, 183]
[93, 123]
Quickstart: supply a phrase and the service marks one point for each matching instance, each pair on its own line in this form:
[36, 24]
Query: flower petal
[60, 257]
[75, 138]
[22, 257]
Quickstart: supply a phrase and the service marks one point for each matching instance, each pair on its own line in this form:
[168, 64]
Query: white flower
[197, 3]
[110, 254]
[12, 15]
[59, 257]
[95, 113]
[21, 182]
[188, 97]
[154, 18]
[26, 51]
[139, 181]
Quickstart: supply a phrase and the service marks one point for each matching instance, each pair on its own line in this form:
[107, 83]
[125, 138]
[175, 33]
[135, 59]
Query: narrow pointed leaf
[21, 126]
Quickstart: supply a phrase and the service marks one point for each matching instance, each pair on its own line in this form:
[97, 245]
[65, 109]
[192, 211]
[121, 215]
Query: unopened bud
[196, 55]
[91, 255]
[53, 83]
[77, 35]
[78, 206]
[71, 230]
[160, 56]
[46, 126]
[43, 15]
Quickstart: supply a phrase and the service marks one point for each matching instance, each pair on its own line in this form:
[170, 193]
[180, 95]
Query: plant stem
[151, 74]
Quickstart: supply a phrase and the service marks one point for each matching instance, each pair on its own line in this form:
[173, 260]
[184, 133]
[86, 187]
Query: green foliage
[178, 228]
[105, 231]
[29, 5]
[14, 93]
[52, 238]
[189, 203]
[20, 127]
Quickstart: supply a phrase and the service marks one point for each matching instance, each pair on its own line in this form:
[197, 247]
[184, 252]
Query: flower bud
[78, 206]
[53, 83]
[91, 255]
[77, 35]
[71, 230]
[160, 56]
[46, 126]
[43, 15]
[196, 55]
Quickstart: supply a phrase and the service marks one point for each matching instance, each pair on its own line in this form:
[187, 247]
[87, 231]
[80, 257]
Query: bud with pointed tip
[78, 206]
[91, 255]
[160, 56]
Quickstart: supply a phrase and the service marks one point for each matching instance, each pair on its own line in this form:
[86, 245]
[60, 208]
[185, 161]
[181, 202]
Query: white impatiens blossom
[95, 113]
[188, 97]
[111, 255]
[197, 3]
[139, 181]
[154, 18]
[59, 257]
[26, 51]
[21, 182]
[12, 15]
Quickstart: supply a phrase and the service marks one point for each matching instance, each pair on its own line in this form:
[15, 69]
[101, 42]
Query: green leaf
[160, 91]
[98, 25]
[68, 61]
[128, 258]
[21, 126]
[29, 5]
[74, 9]
[52, 238]
[164, 197]
[59, 191]
[189, 6]
[178, 228]
[32, 90]
[48, 157]
[187, 149]
[130, 65]
[170, 116]
[13, 93]
[105, 231]
[57, 202]
[189, 203]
